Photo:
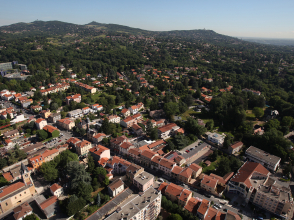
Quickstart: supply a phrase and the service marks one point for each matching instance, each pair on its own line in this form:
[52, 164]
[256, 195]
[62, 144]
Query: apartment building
[245, 181]
[114, 119]
[143, 181]
[269, 161]
[98, 152]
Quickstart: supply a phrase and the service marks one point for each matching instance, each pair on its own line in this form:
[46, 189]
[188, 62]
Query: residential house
[137, 129]
[130, 120]
[83, 147]
[51, 129]
[99, 152]
[269, 161]
[185, 175]
[86, 110]
[134, 153]
[146, 157]
[203, 209]
[54, 117]
[167, 131]
[134, 109]
[20, 212]
[192, 205]
[197, 170]
[36, 108]
[78, 113]
[116, 142]
[116, 187]
[166, 166]
[40, 123]
[97, 107]
[114, 119]
[73, 141]
[56, 190]
[133, 171]
[125, 112]
[66, 123]
[98, 137]
[216, 138]
[143, 181]
[177, 194]
[11, 134]
[49, 155]
[45, 113]
[235, 147]
[209, 184]
[124, 147]
[76, 98]
[36, 161]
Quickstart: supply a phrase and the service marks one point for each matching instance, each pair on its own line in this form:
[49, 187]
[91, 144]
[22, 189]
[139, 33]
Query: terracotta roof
[192, 205]
[124, 111]
[99, 135]
[126, 145]
[103, 161]
[177, 169]
[245, 172]
[73, 140]
[156, 159]
[195, 167]
[155, 144]
[22, 210]
[209, 181]
[148, 153]
[184, 195]
[7, 176]
[203, 206]
[237, 144]
[98, 150]
[162, 187]
[55, 187]
[220, 216]
[136, 127]
[135, 151]
[167, 127]
[187, 172]
[11, 188]
[47, 153]
[48, 202]
[174, 189]
[115, 184]
[40, 120]
[82, 144]
[211, 214]
[50, 128]
[167, 163]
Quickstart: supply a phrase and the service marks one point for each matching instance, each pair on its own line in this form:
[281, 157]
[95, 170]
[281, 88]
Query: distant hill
[41, 28]
[279, 42]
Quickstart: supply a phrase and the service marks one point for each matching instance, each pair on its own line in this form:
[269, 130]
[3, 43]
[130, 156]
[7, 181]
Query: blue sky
[249, 18]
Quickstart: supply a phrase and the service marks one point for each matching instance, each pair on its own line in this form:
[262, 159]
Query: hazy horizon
[262, 19]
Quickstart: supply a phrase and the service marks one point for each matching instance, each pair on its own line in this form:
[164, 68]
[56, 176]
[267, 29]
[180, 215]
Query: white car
[160, 180]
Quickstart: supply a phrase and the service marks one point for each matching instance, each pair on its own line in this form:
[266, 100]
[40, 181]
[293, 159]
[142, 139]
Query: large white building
[216, 138]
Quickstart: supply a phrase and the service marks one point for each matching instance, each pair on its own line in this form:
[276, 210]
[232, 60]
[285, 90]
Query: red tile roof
[187, 172]
[11, 188]
[185, 195]
[211, 214]
[48, 202]
[55, 187]
[174, 189]
[177, 169]
[7, 176]
[167, 127]
[192, 205]
[209, 181]
[148, 153]
[245, 172]
[50, 128]
[162, 187]
[195, 167]
[203, 206]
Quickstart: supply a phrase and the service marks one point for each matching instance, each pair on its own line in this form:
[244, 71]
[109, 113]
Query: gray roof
[143, 178]
[111, 205]
[9, 133]
[265, 156]
[195, 151]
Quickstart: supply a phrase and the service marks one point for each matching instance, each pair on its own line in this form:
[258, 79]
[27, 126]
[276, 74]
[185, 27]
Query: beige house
[116, 187]
[66, 123]
[185, 175]
[40, 123]
[83, 147]
[235, 147]
[197, 170]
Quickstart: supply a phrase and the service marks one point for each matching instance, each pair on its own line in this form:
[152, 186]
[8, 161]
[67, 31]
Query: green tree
[49, 171]
[31, 217]
[42, 134]
[3, 181]
[84, 190]
[154, 134]
[75, 204]
[209, 124]
[287, 121]
[258, 112]
[77, 174]
[105, 126]
[170, 109]
[174, 217]
[3, 163]
[91, 164]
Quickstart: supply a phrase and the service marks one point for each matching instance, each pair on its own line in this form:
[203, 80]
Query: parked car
[160, 180]
[215, 207]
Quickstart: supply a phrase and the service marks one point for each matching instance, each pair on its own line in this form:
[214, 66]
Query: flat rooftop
[144, 177]
[262, 155]
[195, 150]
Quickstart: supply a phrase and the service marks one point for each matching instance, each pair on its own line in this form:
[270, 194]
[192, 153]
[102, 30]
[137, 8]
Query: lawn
[210, 168]
[249, 115]
[188, 113]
